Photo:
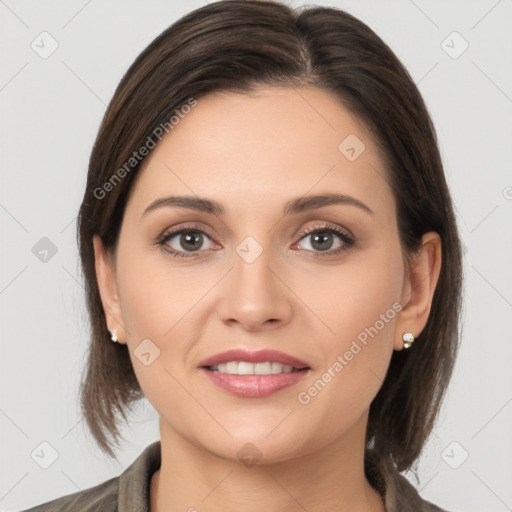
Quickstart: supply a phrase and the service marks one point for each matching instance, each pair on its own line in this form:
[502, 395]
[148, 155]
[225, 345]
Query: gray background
[51, 110]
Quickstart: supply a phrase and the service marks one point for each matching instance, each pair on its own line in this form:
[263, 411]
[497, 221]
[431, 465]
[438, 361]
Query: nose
[253, 297]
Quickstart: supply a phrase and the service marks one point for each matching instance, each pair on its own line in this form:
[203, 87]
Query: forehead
[264, 146]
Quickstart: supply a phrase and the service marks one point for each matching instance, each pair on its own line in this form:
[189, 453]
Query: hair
[235, 46]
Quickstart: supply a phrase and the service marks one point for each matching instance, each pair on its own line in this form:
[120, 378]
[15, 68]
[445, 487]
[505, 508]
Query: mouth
[252, 374]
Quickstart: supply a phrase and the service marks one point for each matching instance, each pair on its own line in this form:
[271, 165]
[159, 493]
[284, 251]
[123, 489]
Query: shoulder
[410, 500]
[100, 497]
[128, 492]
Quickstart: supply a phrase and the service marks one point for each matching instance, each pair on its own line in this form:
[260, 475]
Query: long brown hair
[233, 46]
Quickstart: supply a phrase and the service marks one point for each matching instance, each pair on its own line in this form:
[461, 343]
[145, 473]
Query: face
[287, 242]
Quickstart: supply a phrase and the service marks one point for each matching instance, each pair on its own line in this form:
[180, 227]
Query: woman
[271, 258]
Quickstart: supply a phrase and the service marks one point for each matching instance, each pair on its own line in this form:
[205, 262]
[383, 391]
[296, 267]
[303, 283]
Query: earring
[408, 339]
[114, 337]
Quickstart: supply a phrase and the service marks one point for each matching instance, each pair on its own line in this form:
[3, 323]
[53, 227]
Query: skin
[253, 153]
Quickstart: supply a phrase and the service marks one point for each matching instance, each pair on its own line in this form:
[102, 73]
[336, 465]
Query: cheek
[158, 294]
[161, 302]
[356, 300]
[359, 304]
[156, 309]
[152, 305]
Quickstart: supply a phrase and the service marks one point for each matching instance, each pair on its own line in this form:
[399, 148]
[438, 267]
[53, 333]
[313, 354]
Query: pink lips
[254, 386]
[253, 357]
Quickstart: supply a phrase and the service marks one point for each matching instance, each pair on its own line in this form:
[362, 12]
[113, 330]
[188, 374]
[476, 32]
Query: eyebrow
[293, 206]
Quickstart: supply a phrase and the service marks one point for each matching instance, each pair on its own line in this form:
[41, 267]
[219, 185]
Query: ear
[419, 288]
[106, 276]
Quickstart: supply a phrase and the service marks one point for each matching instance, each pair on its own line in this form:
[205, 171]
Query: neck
[192, 479]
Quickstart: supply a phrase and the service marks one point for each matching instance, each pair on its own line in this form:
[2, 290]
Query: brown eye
[325, 240]
[322, 241]
[186, 241]
[191, 241]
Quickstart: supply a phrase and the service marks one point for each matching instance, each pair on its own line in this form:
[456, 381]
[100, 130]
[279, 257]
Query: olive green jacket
[129, 492]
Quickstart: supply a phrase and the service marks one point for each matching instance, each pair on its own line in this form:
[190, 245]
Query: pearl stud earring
[408, 339]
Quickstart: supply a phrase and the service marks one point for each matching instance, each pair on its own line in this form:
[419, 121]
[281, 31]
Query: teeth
[276, 368]
[262, 368]
[231, 367]
[245, 368]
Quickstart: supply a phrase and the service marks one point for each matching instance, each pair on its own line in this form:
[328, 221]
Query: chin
[251, 446]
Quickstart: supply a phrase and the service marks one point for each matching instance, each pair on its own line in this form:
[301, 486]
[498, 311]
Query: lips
[260, 356]
[238, 372]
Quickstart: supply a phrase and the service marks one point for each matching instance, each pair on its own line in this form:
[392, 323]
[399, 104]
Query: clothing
[129, 492]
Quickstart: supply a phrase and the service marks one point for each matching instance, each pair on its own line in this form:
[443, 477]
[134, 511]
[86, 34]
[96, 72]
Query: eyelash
[324, 228]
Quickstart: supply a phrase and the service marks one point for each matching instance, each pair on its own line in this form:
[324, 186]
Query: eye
[189, 240]
[325, 239]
